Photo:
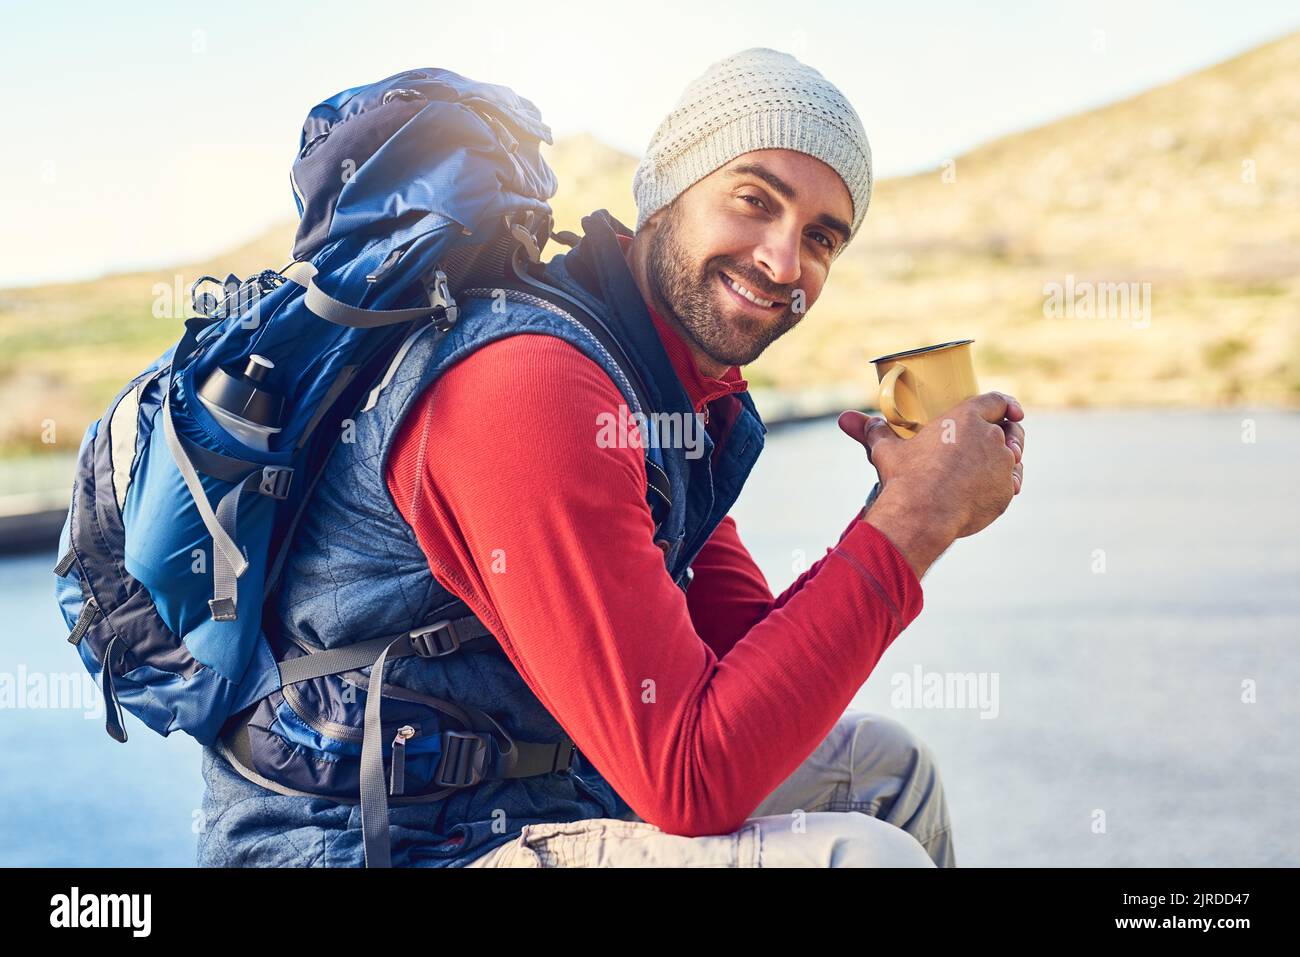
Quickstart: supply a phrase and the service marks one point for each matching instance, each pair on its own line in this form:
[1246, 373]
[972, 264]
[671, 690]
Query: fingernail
[1015, 447]
[1016, 480]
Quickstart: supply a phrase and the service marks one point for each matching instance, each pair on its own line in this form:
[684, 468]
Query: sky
[149, 134]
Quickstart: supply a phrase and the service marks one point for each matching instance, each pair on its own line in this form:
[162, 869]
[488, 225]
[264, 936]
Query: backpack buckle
[445, 310]
[463, 756]
[223, 609]
[436, 640]
[564, 757]
[275, 481]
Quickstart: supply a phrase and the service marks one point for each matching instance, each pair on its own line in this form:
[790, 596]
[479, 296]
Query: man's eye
[827, 241]
[760, 202]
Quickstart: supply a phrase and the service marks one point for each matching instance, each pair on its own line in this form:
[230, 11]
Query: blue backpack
[189, 488]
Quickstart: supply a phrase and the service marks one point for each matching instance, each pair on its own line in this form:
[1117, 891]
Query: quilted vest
[356, 572]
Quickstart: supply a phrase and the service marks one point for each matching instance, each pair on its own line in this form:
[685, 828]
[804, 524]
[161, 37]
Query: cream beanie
[754, 100]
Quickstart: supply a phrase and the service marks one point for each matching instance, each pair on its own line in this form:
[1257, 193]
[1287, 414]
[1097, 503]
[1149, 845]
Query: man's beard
[693, 301]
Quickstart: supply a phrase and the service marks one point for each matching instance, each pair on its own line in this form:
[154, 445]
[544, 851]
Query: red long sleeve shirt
[693, 706]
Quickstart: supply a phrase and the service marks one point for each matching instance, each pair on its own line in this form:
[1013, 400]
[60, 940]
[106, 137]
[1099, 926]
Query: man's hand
[950, 480]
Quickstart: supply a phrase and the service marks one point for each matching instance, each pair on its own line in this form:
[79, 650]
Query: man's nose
[778, 256]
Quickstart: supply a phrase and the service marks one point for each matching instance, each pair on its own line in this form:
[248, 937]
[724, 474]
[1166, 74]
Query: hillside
[1192, 188]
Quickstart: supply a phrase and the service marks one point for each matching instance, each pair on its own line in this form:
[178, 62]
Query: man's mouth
[748, 297]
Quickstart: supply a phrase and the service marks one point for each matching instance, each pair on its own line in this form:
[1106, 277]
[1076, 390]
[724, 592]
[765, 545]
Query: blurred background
[1104, 196]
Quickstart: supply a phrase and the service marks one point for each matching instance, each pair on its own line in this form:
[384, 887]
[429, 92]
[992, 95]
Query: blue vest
[357, 572]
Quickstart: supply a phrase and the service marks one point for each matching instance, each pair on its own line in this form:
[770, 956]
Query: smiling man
[708, 715]
[769, 254]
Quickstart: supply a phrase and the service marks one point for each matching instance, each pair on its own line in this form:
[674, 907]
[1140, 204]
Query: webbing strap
[221, 540]
[227, 468]
[334, 661]
[332, 310]
[65, 563]
[374, 796]
[89, 611]
[113, 723]
[225, 580]
[397, 784]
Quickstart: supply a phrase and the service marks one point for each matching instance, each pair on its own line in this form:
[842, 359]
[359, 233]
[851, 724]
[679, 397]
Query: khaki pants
[868, 796]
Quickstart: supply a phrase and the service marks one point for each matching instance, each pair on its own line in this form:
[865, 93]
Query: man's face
[771, 221]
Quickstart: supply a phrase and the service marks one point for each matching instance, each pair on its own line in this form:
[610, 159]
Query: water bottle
[243, 405]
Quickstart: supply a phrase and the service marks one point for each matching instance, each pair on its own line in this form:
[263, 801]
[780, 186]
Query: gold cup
[920, 384]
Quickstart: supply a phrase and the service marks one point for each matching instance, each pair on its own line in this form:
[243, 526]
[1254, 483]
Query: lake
[1131, 624]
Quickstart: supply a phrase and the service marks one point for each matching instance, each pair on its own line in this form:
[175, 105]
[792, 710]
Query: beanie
[753, 100]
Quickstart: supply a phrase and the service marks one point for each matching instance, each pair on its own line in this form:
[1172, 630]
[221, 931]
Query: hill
[1184, 199]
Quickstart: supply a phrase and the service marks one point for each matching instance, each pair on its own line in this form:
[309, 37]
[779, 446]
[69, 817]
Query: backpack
[189, 488]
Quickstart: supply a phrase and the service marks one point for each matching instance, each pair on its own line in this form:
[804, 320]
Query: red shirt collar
[702, 389]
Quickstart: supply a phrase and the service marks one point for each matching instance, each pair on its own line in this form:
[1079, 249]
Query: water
[1121, 736]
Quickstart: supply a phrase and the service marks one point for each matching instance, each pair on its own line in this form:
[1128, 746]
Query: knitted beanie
[754, 100]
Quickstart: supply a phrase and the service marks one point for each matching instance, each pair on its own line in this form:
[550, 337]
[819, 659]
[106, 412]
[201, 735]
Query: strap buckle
[463, 757]
[436, 640]
[564, 759]
[223, 609]
[445, 310]
[275, 481]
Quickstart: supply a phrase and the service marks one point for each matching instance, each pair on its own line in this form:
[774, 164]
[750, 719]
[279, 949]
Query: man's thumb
[870, 430]
[854, 424]
[878, 433]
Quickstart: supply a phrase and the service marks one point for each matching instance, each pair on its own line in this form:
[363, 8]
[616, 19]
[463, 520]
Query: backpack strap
[332, 310]
[467, 757]
[443, 637]
[228, 562]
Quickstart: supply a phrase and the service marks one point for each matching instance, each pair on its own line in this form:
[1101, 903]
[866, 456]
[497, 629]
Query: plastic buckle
[446, 312]
[564, 760]
[223, 609]
[528, 241]
[463, 756]
[275, 481]
[436, 640]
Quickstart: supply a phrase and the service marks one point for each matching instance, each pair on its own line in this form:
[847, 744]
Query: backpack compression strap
[468, 757]
[340, 313]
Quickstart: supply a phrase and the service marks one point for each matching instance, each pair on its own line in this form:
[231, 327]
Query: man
[709, 714]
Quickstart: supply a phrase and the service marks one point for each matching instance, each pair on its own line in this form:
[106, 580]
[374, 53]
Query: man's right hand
[950, 480]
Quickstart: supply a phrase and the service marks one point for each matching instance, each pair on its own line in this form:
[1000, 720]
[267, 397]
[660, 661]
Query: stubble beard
[692, 299]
